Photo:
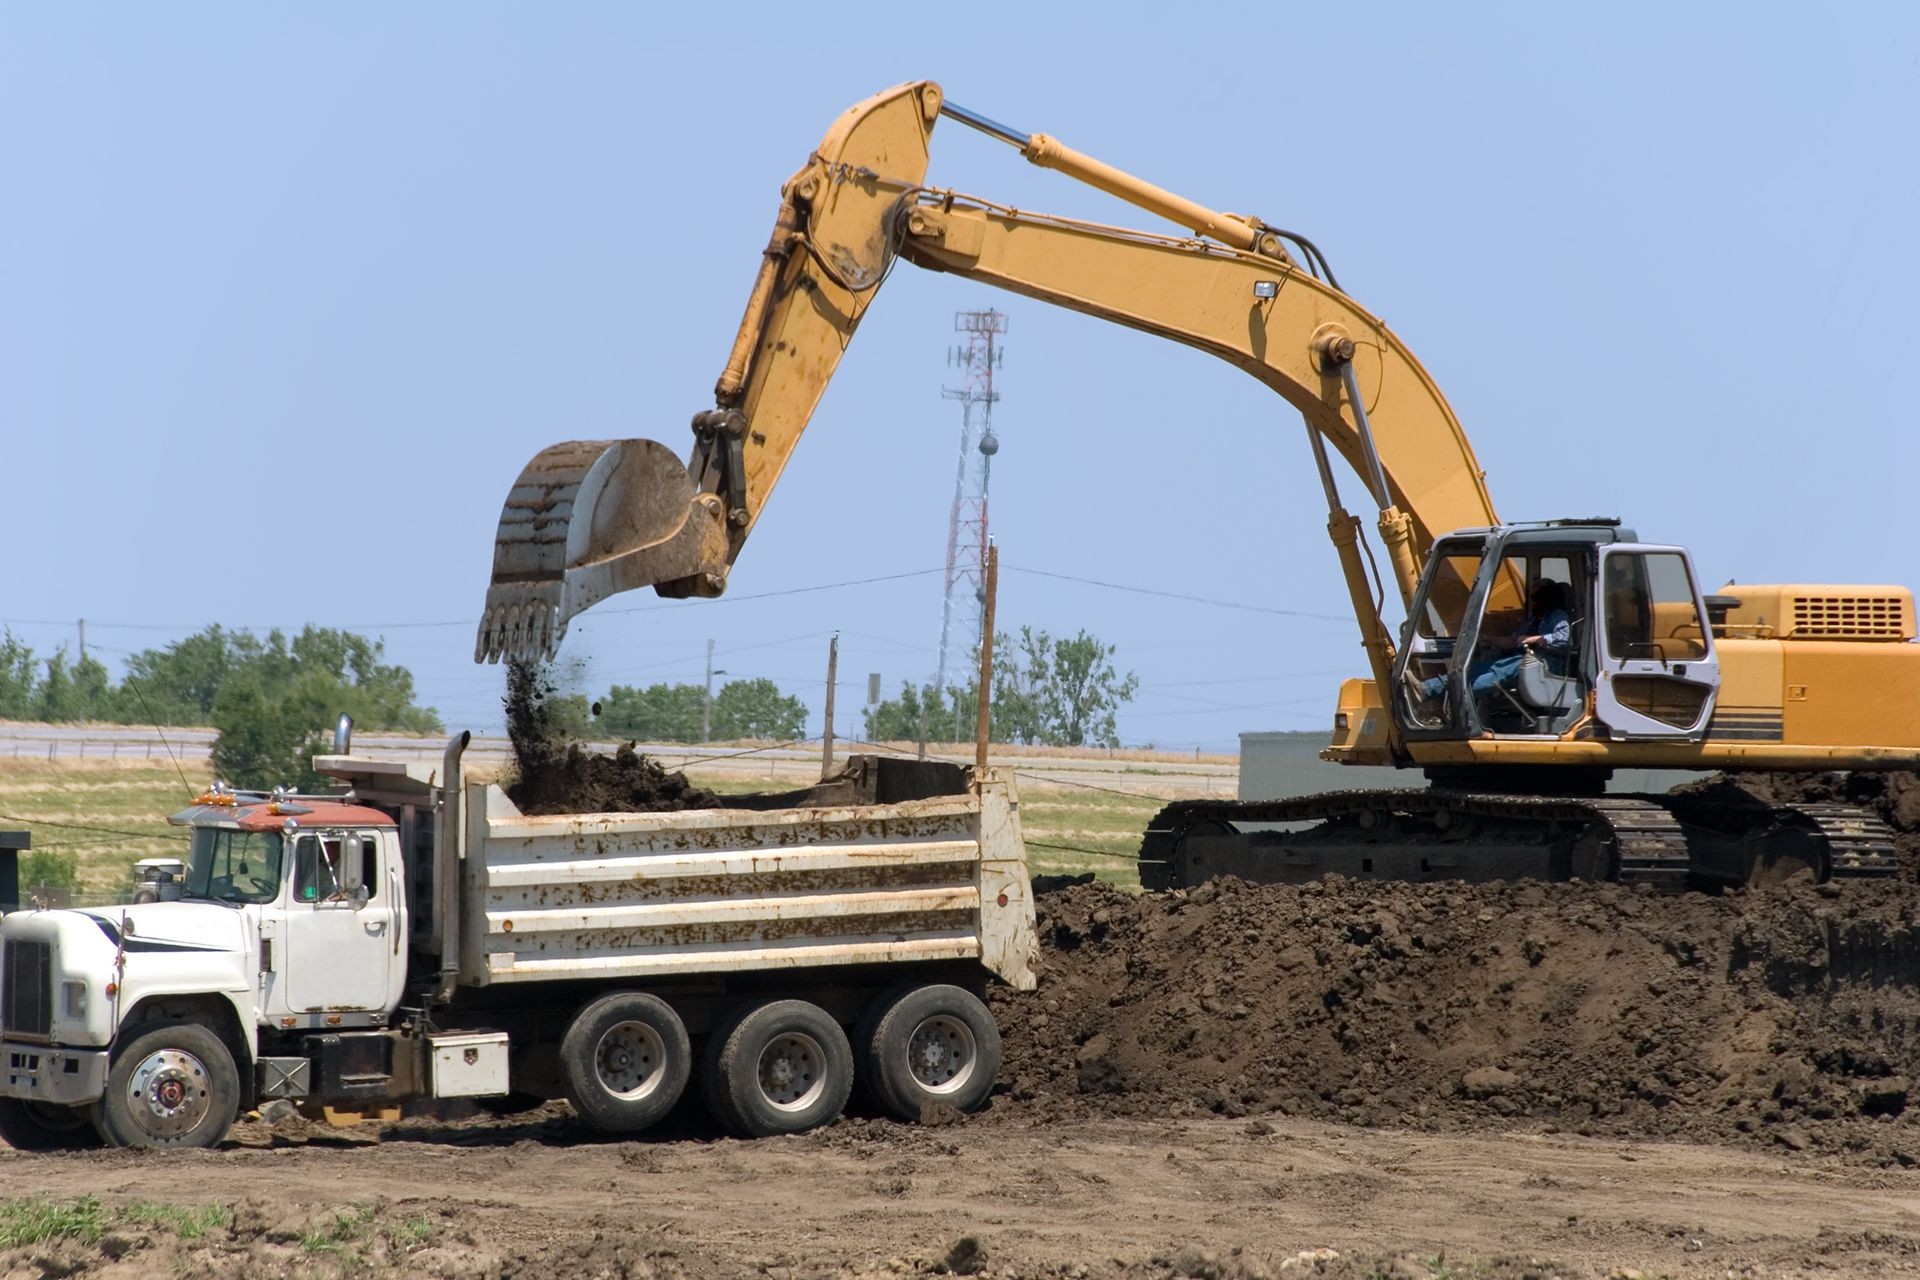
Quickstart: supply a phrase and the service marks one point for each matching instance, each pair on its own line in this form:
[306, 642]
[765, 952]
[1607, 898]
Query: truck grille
[26, 988]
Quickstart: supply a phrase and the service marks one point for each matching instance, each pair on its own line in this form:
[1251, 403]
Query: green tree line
[273, 699]
[679, 713]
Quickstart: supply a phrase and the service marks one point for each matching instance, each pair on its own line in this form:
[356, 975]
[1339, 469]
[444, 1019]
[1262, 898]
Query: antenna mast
[977, 357]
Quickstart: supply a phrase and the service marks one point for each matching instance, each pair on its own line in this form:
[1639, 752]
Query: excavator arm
[588, 519]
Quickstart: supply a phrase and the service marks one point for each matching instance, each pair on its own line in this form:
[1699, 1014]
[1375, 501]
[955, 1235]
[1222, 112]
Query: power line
[1176, 595]
[105, 831]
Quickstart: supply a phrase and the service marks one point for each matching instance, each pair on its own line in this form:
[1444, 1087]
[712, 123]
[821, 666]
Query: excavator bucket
[587, 519]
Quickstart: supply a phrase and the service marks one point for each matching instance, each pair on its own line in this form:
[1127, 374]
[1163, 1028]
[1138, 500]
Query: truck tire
[44, 1126]
[173, 1085]
[625, 1061]
[932, 1045]
[782, 1066]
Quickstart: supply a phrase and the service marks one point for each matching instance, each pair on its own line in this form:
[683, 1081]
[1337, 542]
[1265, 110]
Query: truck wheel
[174, 1085]
[780, 1067]
[625, 1061]
[933, 1044]
[43, 1126]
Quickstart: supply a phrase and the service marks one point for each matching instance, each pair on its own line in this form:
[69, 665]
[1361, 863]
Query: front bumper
[51, 1073]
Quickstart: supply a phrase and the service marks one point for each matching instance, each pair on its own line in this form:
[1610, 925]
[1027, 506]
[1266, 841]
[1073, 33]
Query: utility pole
[833, 674]
[706, 703]
[983, 716]
[83, 639]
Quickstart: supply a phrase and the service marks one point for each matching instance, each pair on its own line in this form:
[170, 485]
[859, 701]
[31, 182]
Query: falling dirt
[555, 774]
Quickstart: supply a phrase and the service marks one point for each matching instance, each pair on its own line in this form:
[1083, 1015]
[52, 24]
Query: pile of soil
[1894, 796]
[1789, 1017]
[554, 774]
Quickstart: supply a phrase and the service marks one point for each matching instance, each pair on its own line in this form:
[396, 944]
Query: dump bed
[706, 891]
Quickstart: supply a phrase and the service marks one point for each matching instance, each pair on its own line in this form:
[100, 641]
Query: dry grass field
[102, 815]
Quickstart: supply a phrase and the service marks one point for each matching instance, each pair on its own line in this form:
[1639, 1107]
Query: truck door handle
[376, 927]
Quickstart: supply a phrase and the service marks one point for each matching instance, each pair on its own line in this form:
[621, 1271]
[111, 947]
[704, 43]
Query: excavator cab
[1556, 630]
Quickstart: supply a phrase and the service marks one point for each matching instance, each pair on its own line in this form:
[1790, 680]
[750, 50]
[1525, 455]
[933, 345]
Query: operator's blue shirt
[1555, 629]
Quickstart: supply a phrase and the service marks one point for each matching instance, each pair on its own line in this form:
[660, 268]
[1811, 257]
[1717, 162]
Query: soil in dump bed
[554, 775]
[1789, 1018]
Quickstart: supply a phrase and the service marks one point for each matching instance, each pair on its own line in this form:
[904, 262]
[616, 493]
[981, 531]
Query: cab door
[340, 924]
[1658, 674]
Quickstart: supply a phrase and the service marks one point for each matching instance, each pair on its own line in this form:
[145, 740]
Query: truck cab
[287, 918]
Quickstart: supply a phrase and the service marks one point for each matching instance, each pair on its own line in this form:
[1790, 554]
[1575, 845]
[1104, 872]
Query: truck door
[340, 926]
[1658, 673]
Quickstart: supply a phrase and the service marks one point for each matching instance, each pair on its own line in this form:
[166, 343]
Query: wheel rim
[170, 1093]
[941, 1054]
[792, 1071]
[629, 1060]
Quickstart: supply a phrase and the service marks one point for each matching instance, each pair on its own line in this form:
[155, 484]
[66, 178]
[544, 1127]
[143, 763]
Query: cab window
[1651, 608]
[317, 860]
[1448, 587]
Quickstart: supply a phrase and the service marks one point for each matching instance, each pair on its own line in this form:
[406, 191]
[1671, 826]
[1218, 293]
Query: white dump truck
[413, 936]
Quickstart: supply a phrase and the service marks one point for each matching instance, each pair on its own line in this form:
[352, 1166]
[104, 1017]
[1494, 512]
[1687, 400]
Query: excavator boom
[588, 519]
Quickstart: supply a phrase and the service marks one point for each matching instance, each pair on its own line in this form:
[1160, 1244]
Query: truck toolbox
[469, 1064]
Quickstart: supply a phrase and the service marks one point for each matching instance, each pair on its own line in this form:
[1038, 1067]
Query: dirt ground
[1211, 1198]
[1230, 1083]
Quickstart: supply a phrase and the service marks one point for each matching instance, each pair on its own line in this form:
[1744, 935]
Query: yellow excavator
[1643, 669]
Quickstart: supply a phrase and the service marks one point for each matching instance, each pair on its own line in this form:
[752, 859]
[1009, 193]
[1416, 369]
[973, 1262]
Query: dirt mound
[1894, 796]
[1788, 1018]
[553, 774]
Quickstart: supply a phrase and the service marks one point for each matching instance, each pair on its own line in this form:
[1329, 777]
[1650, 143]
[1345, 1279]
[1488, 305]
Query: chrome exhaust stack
[588, 519]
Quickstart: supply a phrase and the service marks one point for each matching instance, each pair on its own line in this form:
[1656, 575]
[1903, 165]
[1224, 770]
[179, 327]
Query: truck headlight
[75, 997]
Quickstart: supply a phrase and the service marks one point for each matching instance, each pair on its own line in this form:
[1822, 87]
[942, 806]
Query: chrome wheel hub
[170, 1093]
[941, 1053]
[628, 1060]
[792, 1071]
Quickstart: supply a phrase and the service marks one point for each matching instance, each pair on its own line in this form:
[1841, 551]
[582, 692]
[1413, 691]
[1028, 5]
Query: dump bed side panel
[625, 896]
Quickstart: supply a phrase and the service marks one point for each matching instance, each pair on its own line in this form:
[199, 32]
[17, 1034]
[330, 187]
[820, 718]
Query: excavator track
[1667, 842]
[1860, 844]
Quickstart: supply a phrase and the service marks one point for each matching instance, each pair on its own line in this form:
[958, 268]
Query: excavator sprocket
[1669, 842]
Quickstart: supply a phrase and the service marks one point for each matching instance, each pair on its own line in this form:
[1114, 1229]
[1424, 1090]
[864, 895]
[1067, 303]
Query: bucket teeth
[523, 622]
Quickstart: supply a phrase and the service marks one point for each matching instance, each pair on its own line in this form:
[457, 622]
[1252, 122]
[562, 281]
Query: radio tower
[967, 523]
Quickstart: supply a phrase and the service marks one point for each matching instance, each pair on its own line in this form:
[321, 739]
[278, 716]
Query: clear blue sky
[288, 294]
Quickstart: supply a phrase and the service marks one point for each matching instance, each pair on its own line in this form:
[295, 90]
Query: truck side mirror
[346, 876]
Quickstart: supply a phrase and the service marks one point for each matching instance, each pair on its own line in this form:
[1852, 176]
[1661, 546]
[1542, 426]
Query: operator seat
[1545, 694]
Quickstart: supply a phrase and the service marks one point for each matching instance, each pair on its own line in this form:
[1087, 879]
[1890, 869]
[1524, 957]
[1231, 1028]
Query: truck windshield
[234, 866]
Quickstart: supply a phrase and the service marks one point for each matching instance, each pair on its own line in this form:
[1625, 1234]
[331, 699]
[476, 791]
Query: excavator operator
[1546, 628]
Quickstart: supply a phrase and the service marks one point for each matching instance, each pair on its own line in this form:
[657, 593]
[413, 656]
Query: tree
[1057, 692]
[17, 680]
[67, 694]
[275, 701]
[657, 713]
[757, 709]
[260, 744]
[1075, 687]
[898, 719]
[177, 684]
